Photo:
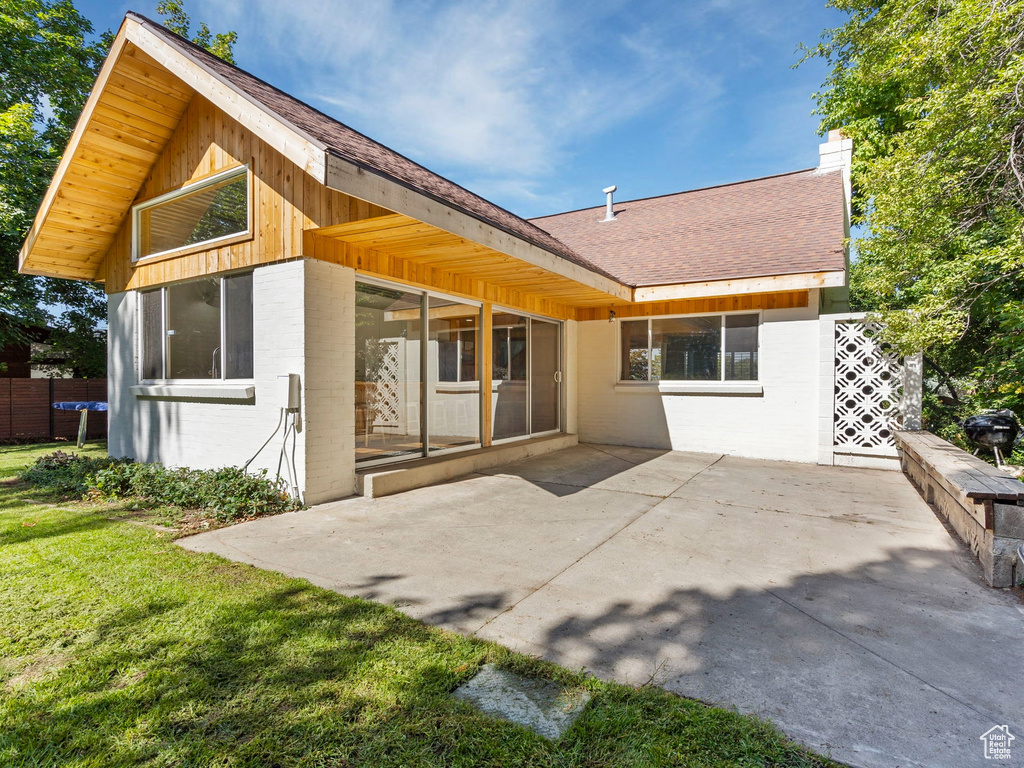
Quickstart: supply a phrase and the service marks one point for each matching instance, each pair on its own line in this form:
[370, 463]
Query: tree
[932, 93]
[47, 68]
[48, 62]
[176, 20]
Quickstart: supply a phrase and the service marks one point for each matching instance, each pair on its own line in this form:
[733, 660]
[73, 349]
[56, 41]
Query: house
[16, 356]
[32, 358]
[242, 236]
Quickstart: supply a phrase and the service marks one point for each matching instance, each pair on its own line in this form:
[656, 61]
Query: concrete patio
[831, 601]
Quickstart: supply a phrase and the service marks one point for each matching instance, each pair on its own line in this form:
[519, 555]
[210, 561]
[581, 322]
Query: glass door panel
[388, 384]
[453, 382]
[544, 375]
[193, 330]
[509, 389]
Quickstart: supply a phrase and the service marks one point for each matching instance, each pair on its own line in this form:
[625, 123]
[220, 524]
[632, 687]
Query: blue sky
[538, 105]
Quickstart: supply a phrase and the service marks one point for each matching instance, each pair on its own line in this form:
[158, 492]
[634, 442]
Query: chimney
[609, 212]
[837, 154]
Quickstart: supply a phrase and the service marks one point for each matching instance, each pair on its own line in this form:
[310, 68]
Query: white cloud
[502, 92]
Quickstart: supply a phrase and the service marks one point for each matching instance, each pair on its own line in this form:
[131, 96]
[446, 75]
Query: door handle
[558, 377]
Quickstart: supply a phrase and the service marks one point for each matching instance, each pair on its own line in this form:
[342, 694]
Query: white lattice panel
[868, 390]
[387, 392]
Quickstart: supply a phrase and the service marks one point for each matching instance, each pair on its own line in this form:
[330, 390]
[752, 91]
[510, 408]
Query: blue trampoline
[84, 406]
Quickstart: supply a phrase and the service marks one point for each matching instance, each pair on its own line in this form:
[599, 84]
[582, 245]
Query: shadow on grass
[29, 523]
[292, 673]
[230, 665]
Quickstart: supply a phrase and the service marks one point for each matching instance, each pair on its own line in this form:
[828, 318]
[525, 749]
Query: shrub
[67, 474]
[225, 494]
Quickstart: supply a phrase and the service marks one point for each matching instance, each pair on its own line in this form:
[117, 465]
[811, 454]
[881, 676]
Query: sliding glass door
[417, 393]
[545, 377]
[388, 405]
[453, 377]
[509, 387]
[419, 371]
[526, 376]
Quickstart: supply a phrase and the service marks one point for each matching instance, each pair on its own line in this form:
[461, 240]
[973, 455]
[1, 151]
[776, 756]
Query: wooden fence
[26, 409]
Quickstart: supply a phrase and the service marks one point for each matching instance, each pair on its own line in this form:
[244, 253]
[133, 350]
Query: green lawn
[119, 648]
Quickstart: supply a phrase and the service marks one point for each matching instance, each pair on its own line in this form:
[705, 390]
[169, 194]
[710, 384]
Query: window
[204, 212]
[456, 349]
[417, 383]
[706, 348]
[201, 329]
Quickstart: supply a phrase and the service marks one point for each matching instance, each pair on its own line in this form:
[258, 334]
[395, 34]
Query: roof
[340, 139]
[777, 225]
[789, 225]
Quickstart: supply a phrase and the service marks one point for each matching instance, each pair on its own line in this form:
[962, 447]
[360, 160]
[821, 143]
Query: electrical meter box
[288, 391]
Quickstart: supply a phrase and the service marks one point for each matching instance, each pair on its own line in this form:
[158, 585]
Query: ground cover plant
[189, 499]
[118, 648]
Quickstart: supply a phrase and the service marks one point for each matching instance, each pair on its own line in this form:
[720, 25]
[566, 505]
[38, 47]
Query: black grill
[993, 429]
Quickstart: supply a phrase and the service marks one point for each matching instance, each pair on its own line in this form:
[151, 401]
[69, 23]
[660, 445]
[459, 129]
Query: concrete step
[375, 482]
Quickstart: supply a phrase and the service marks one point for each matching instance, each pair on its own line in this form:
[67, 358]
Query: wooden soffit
[129, 118]
[135, 106]
[410, 240]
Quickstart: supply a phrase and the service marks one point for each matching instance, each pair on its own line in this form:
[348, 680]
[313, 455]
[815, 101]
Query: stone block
[542, 706]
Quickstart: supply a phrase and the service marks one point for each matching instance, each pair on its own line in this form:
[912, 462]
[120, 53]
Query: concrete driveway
[831, 601]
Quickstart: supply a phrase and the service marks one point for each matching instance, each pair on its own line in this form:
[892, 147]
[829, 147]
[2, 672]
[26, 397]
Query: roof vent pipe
[609, 213]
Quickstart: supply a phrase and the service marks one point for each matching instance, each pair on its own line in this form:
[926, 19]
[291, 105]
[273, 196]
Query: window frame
[531, 318]
[141, 342]
[425, 294]
[695, 384]
[459, 343]
[182, 191]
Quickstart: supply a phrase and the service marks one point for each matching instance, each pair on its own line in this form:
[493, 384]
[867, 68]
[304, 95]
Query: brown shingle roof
[775, 225]
[361, 150]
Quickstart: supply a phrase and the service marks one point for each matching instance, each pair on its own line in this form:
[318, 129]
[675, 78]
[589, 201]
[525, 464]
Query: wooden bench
[982, 504]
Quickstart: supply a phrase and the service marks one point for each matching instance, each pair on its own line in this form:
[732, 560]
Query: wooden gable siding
[751, 302]
[285, 201]
[286, 204]
[125, 127]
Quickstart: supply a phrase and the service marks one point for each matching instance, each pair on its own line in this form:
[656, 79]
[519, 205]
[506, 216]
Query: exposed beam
[771, 284]
[407, 238]
[379, 264]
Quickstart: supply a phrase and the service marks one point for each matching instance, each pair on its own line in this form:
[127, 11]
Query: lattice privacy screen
[387, 378]
[869, 388]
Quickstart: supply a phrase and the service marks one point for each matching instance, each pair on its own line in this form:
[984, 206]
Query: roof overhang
[366, 184]
[134, 107]
[768, 284]
[142, 91]
[140, 95]
[414, 241]
[130, 115]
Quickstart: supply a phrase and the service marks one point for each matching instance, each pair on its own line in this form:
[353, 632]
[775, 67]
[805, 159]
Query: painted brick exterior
[782, 423]
[329, 383]
[302, 324]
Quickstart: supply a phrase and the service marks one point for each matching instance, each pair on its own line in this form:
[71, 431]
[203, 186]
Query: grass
[119, 648]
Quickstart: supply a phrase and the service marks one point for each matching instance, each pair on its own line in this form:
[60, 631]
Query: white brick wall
[303, 314]
[570, 359]
[304, 324]
[780, 424]
[329, 386]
